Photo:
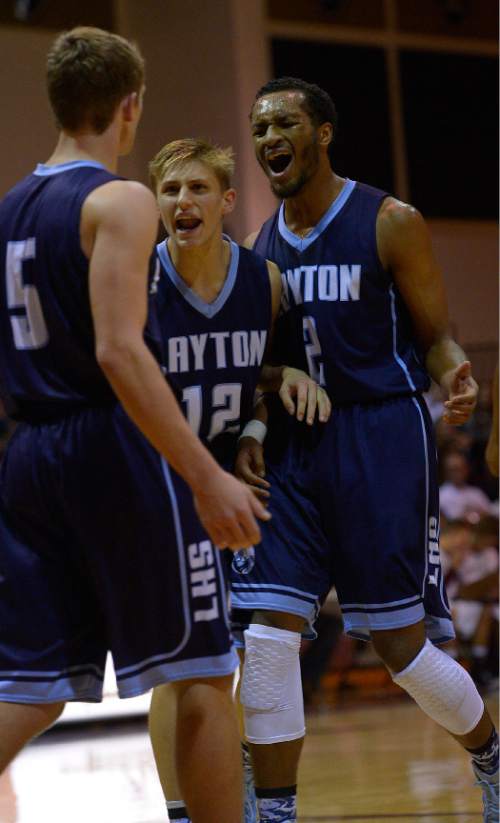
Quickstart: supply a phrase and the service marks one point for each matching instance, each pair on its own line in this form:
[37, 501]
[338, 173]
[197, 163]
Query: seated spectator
[470, 566]
[458, 500]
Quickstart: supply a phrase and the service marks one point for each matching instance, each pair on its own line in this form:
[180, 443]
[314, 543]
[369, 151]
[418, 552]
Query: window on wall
[355, 77]
[451, 124]
[449, 18]
[336, 12]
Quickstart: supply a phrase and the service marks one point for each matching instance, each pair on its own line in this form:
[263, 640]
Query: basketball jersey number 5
[28, 323]
[225, 408]
[313, 350]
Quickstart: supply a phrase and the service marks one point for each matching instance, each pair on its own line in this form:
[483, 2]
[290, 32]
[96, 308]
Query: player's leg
[163, 732]
[166, 610]
[20, 723]
[271, 696]
[207, 734]
[192, 726]
[397, 594]
[445, 691]
[249, 799]
[274, 601]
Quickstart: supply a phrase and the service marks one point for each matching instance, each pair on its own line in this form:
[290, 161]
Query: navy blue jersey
[343, 319]
[213, 351]
[47, 362]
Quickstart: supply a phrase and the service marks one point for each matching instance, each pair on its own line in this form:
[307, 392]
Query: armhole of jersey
[81, 201]
[384, 271]
[265, 233]
[270, 299]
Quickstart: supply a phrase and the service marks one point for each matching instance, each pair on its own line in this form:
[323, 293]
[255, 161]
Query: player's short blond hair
[89, 72]
[220, 160]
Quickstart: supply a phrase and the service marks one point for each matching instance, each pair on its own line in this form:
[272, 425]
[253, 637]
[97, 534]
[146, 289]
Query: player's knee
[200, 687]
[271, 689]
[443, 690]
[54, 711]
[34, 718]
[280, 620]
[398, 647]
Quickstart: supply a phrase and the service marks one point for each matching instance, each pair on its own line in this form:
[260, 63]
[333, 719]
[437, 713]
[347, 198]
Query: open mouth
[187, 223]
[278, 163]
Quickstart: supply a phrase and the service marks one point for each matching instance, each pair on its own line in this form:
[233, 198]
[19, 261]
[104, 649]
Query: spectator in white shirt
[458, 500]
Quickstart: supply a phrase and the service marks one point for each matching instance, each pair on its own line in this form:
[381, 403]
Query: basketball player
[364, 311]
[101, 545]
[216, 304]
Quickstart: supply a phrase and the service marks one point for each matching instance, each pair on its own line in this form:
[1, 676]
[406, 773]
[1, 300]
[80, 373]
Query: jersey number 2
[313, 350]
[26, 316]
[226, 403]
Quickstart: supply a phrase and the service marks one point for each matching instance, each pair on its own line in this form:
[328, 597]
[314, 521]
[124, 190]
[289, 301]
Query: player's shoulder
[123, 194]
[249, 241]
[120, 200]
[401, 229]
[396, 214]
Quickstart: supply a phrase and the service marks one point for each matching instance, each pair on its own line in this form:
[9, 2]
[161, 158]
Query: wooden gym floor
[374, 762]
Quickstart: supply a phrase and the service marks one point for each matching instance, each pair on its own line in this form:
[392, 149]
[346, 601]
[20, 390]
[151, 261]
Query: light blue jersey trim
[302, 243]
[397, 358]
[360, 625]
[369, 606]
[274, 602]
[256, 587]
[426, 523]
[207, 309]
[223, 588]
[71, 671]
[87, 688]
[45, 171]
[216, 666]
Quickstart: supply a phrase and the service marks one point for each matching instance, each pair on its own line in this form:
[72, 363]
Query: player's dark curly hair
[317, 102]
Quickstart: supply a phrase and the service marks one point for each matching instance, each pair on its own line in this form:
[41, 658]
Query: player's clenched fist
[229, 512]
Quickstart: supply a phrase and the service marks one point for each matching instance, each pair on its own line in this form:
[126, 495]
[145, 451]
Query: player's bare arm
[118, 230]
[249, 464]
[405, 249]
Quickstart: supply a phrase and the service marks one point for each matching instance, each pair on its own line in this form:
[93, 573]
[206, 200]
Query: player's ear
[228, 201]
[325, 134]
[130, 105]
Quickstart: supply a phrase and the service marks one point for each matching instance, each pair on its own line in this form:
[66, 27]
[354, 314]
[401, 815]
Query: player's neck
[203, 268]
[100, 148]
[304, 211]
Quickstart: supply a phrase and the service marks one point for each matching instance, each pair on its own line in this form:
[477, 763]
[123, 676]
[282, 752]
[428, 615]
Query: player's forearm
[271, 378]
[148, 399]
[443, 356]
[260, 410]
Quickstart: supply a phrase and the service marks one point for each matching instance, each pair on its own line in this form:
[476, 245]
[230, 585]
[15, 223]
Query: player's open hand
[461, 390]
[250, 467]
[302, 397]
[229, 512]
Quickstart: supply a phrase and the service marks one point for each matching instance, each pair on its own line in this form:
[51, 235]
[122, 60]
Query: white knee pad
[271, 689]
[443, 690]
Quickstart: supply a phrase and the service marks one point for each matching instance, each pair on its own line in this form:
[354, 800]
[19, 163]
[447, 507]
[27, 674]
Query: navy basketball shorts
[355, 505]
[101, 549]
